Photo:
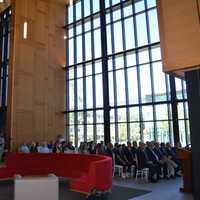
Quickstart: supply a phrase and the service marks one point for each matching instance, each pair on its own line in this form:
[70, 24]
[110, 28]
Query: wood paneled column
[36, 86]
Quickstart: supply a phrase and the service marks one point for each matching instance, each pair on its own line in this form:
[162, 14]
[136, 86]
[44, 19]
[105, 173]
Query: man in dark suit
[172, 155]
[153, 158]
[162, 161]
[144, 162]
[131, 157]
[119, 158]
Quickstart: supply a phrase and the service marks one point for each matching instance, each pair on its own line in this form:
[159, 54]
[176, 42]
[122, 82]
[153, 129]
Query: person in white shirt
[43, 148]
[2, 146]
[24, 148]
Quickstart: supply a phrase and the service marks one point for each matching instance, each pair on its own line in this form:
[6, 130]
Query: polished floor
[163, 190]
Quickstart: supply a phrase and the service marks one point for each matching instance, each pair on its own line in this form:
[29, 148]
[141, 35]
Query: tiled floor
[163, 190]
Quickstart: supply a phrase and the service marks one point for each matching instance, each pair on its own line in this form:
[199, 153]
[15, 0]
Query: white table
[36, 188]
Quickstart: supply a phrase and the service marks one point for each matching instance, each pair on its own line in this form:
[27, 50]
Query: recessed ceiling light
[70, 2]
[25, 30]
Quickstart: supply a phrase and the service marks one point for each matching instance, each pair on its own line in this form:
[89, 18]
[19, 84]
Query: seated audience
[160, 159]
[24, 148]
[91, 147]
[83, 148]
[43, 148]
[33, 147]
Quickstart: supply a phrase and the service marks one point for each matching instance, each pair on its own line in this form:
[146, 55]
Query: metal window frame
[104, 58]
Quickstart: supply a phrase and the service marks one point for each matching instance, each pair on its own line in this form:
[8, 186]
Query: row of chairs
[143, 173]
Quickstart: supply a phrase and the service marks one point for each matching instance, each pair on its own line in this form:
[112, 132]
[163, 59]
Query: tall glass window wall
[139, 92]
[4, 54]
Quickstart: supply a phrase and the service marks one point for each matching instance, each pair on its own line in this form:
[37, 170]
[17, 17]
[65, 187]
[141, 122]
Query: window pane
[78, 10]
[134, 131]
[131, 59]
[122, 128]
[71, 32]
[97, 43]
[71, 52]
[89, 94]
[80, 118]
[90, 133]
[179, 94]
[151, 3]
[141, 29]
[86, 7]
[80, 134]
[145, 79]
[88, 46]
[129, 33]
[78, 29]
[99, 116]
[80, 93]
[134, 114]
[163, 131]
[100, 133]
[116, 15]
[88, 69]
[159, 82]
[71, 73]
[79, 71]
[143, 56]
[182, 133]
[115, 2]
[89, 117]
[71, 134]
[71, 118]
[139, 6]
[111, 90]
[128, 10]
[96, 22]
[132, 85]
[71, 95]
[155, 53]
[147, 131]
[70, 14]
[122, 115]
[112, 115]
[153, 25]
[120, 87]
[119, 62]
[112, 133]
[118, 37]
[161, 112]
[109, 45]
[99, 91]
[98, 67]
[95, 6]
[79, 49]
[180, 111]
[147, 113]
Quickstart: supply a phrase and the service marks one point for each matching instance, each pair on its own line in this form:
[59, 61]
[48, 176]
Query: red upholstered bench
[85, 172]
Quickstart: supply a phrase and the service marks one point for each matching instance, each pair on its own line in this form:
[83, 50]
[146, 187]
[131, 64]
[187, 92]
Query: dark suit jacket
[159, 153]
[151, 155]
[142, 159]
[128, 153]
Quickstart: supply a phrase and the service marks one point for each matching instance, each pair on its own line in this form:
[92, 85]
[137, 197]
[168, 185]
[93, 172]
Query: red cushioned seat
[85, 172]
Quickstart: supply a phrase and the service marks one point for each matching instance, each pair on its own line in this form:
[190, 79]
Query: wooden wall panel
[179, 34]
[36, 79]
